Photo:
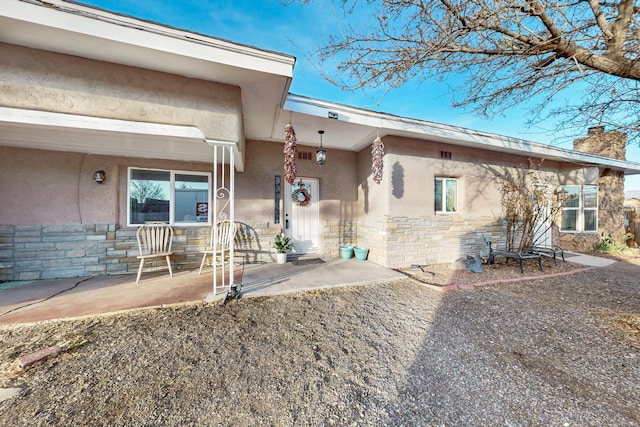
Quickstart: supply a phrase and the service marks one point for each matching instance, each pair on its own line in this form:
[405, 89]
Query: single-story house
[108, 121]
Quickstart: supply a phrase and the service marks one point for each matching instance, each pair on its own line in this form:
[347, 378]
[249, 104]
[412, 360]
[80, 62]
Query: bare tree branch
[509, 51]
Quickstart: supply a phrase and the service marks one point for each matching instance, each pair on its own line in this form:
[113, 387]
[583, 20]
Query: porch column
[223, 198]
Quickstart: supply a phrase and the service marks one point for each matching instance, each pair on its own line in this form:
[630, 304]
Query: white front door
[301, 215]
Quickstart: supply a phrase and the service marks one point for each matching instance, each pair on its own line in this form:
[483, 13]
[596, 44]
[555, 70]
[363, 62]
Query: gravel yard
[557, 351]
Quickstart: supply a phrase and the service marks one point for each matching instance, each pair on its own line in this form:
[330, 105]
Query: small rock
[474, 264]
[29, 360]
[8, 393]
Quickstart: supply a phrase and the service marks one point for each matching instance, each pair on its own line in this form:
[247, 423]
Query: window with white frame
[580, 208]
[174, 197]
[446, 194]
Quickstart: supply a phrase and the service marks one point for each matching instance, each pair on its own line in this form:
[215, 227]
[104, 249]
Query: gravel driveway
[561, 351]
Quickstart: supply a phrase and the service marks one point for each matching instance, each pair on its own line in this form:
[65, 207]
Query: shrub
[607, 244]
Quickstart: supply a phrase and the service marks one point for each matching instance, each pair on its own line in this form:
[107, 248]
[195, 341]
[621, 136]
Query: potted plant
[282, 245]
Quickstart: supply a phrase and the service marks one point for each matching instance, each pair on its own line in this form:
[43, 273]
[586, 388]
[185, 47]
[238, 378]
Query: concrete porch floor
[74, 297]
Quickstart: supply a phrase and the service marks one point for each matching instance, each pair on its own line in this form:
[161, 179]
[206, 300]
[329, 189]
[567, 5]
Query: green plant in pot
[283, 245]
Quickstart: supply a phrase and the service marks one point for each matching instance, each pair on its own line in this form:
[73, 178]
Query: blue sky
[298, 30]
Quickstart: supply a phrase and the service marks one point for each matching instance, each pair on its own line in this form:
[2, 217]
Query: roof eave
[387, 124]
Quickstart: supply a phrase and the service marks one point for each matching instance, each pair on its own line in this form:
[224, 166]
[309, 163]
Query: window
[446, 194]
[580, 210]
[174, 197]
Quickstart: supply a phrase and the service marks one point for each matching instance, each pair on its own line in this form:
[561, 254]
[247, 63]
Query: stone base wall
[611, 204]
[35, 252]
[579, 242]
[402, 241]
[254, 243]
[338, 233]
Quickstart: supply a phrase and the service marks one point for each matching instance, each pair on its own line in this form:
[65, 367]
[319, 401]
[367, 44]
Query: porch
[72, 297]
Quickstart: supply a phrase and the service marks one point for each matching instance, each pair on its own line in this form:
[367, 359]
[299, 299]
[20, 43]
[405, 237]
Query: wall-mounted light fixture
[99, 176]
[321, 153]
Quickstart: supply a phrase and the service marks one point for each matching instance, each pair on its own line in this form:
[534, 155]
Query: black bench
[550, 252]
[519, 257]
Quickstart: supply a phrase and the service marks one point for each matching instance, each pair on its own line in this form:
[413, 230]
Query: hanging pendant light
[321, 153]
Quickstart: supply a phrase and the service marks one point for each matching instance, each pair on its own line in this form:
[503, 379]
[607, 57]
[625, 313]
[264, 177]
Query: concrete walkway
[588, 260]
[74, 297]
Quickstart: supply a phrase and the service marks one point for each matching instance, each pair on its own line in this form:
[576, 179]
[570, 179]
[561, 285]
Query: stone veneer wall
[254, 243]
[32, 252]
[35, 252]
[401, 241]
[610, 189]
[338, 233]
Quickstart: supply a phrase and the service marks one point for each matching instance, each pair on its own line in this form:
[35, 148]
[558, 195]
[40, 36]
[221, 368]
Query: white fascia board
[419, 129]
[45, 118]
[87, 21]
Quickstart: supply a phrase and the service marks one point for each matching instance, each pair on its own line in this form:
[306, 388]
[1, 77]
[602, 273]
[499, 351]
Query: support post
[223, 198]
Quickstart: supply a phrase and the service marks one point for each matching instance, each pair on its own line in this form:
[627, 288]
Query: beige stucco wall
[337, 185]
[396, 219]
[54, 187]
[41, 80]
[51, 187]
[56, 221]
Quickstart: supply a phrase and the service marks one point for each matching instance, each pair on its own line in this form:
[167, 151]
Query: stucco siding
[255, 192]
[51, 205]
[40, 80]
[397, 221]
[53, 187]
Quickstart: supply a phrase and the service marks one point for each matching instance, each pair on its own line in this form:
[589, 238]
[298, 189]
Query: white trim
[172, 200]
[236, 158]
[387, 124]
[100, 24]
[102, 136]
[72, 121]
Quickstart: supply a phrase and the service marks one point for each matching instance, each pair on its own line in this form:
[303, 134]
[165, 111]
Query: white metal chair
[222, 234]
[154, 241]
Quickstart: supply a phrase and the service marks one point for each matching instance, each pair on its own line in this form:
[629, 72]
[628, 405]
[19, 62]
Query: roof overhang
[70, 28]
[93, 135]
[263, 76]
[353, 129]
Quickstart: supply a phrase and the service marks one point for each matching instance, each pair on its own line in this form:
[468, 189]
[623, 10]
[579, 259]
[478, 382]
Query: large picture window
[446, 194]
[580, 209]
[174, 197]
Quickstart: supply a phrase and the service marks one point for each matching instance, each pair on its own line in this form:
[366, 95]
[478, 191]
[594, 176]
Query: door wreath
[301, 196]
